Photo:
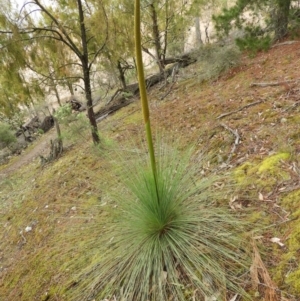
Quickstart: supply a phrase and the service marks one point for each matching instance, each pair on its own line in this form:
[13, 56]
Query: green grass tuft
[169, 242]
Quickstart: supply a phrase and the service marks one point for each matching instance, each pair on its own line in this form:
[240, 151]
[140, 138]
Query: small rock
[28, 229]
[283, 120]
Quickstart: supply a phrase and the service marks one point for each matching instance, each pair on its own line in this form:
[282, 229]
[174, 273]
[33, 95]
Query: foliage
[7, 136]
[254, 44]
[266, 20]
[74, 125]
[167, 239]
[214, 60]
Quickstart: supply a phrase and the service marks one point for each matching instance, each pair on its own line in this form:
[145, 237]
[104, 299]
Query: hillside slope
[248, 117]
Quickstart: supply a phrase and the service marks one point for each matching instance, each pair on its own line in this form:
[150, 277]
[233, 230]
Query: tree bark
[156, 36]
[121, 75]
[56, 92]
[70, 86]
[199, 41]
[281, 18]
[86, 76]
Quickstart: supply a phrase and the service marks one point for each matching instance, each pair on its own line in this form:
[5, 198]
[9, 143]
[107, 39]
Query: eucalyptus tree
[118, 54]
[202, 11]
[164, 28]
[12, 61]
[121, 41]
[69, 23]
[55, 72]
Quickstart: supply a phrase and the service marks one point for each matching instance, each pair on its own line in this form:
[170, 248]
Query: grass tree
[168, 238]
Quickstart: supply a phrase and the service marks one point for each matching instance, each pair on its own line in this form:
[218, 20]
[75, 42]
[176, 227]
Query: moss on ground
[288, 271]
[264, 174]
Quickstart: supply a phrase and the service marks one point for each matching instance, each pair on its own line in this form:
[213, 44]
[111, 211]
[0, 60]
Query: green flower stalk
[142, 86]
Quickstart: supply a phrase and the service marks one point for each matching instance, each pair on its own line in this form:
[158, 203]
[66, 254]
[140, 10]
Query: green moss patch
[288, 270]
[263, 174]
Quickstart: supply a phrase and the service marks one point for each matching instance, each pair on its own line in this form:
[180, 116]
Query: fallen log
[132, 90]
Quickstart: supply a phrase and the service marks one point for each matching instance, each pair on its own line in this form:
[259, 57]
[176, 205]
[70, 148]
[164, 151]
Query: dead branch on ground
[240, 109]
[296, 104]
[285, 43]
[273, 84]
[236, 141]
[261, 280]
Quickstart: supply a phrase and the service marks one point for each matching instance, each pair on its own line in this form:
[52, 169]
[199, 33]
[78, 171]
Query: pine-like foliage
[260, 21]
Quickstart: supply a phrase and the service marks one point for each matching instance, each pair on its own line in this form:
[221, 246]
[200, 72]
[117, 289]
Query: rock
[47, 124]
[28, 229]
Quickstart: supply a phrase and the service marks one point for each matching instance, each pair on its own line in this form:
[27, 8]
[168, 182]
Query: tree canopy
[50, 46]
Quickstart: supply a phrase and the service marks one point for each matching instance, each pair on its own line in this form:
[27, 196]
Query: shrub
[214, 60]
[74, 125]
[7, 136]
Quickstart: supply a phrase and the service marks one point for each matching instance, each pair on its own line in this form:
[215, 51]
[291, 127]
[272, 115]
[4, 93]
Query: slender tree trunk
[281, 19]
[56, 93]
[167, 22]
[156, 36]
[70, 86]
[86, 76]
[199, 41]
[121, 75]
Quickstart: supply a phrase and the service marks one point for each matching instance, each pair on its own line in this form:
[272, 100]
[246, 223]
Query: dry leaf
[261, 280]
[234, 298]
[277, 240]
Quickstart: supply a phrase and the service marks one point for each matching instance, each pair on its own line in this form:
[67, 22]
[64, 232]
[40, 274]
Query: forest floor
[248, 117]
[39, 148]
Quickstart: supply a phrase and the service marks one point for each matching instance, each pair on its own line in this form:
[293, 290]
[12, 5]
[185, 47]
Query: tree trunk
[156, 37]
[86, 76]
[56, 93]
[199, 41]
[90, 110]
[121, 75]
[70, 86]
[281, 18]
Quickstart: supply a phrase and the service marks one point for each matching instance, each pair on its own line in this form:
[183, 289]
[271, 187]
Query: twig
[285, 43]
[113, 97]
[168, 92]
[23, 237]
[274, 83]
[236, 141]
[240, 109]
[296, 104]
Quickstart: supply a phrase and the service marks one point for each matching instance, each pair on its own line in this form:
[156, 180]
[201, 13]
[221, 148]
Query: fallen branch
[260, 277]
[296, 104]
[168, 92]
[121, 101]
[240, 109]
[274, 83]
[236, 141]
[285, 43]
[114, 96]
[104, 112]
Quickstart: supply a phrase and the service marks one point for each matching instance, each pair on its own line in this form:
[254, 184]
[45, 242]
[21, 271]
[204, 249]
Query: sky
[20, 3]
